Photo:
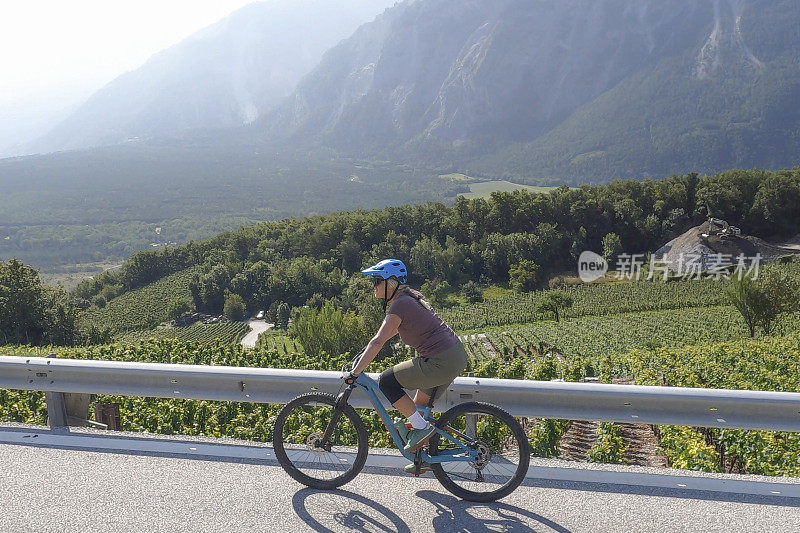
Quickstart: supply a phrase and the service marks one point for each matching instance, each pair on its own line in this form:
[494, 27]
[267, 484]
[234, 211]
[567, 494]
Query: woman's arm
[387, 330]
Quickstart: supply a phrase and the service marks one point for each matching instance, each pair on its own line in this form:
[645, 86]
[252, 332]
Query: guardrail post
[471, 423]
[56, 408]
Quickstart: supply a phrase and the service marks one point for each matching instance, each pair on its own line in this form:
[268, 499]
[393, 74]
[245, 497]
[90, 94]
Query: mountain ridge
[512, 76]
[223, 76]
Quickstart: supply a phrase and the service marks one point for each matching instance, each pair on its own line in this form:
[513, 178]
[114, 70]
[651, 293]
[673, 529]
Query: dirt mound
[792, 244]
[697, 245]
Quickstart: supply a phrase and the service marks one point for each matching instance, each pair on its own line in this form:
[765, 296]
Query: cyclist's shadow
[452, 515]
[342, 510]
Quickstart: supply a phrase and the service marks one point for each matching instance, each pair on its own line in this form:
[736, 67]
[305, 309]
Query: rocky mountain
[579, 90]
[225, 75]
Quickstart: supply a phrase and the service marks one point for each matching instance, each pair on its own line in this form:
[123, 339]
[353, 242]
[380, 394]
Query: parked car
[260, 315]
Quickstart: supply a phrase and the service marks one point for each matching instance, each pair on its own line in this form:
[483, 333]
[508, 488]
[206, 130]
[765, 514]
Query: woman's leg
[405, 405]
[421, 398]
[394, 392]
[408, 407]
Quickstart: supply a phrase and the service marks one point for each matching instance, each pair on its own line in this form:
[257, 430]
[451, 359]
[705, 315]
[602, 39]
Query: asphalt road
[257, 327]
[51, 489]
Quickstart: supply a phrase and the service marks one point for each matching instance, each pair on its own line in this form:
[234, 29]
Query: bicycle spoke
[299, 447]
[500, 455]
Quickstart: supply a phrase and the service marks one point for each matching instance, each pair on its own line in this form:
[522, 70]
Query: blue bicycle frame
[463, 453]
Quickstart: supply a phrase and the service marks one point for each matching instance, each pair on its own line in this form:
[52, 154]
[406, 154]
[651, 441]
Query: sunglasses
[376, 281]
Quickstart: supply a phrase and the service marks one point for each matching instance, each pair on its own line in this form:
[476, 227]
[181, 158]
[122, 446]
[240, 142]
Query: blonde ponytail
[418, 296]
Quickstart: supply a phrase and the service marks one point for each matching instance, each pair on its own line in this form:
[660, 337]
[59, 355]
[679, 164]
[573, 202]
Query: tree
[177, 308]
[427, 256]
[282, 314]
[31, 313]
[612, 247]
[234, 307]
[61, 318]
[522, 276]
[762, 301]
[208, 290]
[777, 202]
[22, 313]
[437, 292]
[328, 330]
[555, 302]
[472, 292]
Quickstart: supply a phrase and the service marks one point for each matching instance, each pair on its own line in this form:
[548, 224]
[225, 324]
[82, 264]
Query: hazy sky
[51, 46]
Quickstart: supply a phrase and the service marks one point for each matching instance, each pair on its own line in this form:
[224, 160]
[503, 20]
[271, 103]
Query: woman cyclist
[441, 356]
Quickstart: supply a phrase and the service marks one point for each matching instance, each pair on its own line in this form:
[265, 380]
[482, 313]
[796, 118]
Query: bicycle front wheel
[502, 446]
[299, 429]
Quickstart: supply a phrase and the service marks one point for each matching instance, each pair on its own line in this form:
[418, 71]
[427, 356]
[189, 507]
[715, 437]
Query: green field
[223, 331]
[483, 189]
[144, 307]
[602, 337]
[590, 300]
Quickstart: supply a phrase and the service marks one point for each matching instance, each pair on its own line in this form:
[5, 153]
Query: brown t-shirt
[421, 328]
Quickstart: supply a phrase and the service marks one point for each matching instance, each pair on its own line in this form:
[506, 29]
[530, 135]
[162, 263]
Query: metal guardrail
[776, 411]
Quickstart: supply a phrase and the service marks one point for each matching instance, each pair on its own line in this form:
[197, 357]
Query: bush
[98, 301]
[612, 247]
[282, 314]
[522, 276]
[472, 292]
[179, 307]
[609, 447]
[686, 448]
[545, 436]
[234, 307]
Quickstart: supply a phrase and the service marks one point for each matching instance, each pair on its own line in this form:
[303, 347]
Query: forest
[517, 238]
[481, 240]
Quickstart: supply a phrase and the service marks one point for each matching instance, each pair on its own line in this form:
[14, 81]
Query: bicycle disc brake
[313, 443]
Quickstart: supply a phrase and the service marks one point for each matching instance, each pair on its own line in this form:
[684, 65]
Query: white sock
[417, 422]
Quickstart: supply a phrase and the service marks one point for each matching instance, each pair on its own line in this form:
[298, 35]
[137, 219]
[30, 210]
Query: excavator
[720, 228]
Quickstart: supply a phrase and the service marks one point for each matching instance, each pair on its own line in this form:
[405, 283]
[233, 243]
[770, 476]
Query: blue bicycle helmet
[388, 268]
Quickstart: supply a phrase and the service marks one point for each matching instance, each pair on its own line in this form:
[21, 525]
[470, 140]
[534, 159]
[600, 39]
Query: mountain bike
[479, 452]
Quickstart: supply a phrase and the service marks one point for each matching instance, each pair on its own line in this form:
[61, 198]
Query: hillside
[492, 240]
[578, 91]
[676, 332]
[539, 93]
[106, 203]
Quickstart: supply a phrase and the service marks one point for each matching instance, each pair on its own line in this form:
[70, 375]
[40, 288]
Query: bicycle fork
[341, 400]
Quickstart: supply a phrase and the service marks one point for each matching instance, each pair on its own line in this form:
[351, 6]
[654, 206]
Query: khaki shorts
[426, 374]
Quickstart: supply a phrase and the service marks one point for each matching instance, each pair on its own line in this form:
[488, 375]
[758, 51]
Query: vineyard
[278, 342]
[651, 333]
[590, 300]
[771, 363]
[145, 307]
[187, 417]
[600, 337]
[764, 364]
[226, 331]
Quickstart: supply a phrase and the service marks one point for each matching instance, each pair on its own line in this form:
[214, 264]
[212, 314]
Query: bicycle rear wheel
[299, 428]
[504, 453]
